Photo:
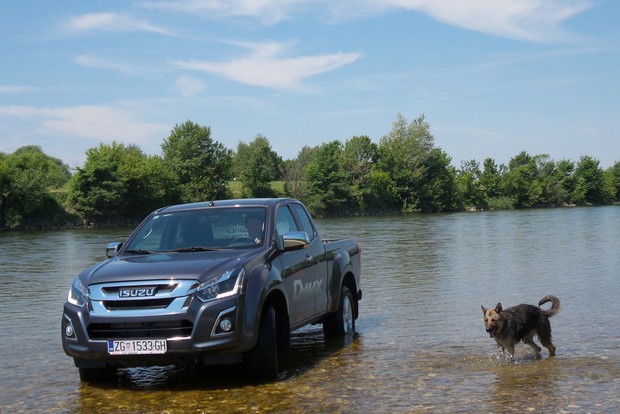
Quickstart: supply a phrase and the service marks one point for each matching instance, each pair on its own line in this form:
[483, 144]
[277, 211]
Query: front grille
[138, 304]
[165, 287]
[169, 329]
[144, 298]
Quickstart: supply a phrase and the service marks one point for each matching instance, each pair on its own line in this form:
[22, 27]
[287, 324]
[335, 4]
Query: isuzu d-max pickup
[221, 282]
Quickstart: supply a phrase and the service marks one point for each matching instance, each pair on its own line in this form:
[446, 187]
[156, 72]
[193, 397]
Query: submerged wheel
[342, 322]
[97, 374]
[264, 357]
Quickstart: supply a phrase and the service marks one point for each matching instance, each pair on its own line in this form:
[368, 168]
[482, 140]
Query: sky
[491, 77]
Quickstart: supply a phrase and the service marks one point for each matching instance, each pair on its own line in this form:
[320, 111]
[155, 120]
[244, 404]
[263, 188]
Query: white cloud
[267, 11]
[188, 86]
[112, 22]
[266, 67]
[99, 123]
[529, 20]
[16, 89]
[103, 63]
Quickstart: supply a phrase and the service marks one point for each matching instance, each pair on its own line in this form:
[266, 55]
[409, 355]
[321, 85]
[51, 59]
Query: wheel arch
[350, 282]
[277, 300]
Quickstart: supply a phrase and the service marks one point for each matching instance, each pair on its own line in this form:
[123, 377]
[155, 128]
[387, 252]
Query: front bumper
[193, 334]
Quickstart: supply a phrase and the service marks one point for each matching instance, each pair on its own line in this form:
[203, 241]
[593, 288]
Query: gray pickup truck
[221, 282]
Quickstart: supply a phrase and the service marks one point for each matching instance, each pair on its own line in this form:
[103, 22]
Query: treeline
[404, 173]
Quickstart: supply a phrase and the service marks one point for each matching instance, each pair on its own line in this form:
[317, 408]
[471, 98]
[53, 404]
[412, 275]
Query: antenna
[217, 191]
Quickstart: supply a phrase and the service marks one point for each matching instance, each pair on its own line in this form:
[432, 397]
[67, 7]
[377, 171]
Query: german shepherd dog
[521, 323]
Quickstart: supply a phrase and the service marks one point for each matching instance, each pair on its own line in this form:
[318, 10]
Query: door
[298, 272]
[317, 251]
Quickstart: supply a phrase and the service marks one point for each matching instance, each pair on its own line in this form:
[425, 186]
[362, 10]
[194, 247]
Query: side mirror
[112, 249]
[295, 240]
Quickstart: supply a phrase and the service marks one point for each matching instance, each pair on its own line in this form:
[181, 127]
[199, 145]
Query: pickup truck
[221, 282]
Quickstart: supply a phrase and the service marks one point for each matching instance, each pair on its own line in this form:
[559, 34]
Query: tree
[262, 166]
[148, 182]
[591, 186]
[27, 178]
[119, 182]
[96, 190]
[470, 185]
[327, 182]
[357, 161]
[241, 159]
[521, 182]
[201, 165]
[565, 176]
[490, 178]
[421, 173]
[614, 171]
[295, 183]
[551, 180]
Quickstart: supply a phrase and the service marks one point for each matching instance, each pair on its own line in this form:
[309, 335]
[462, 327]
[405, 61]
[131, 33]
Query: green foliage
[470, 186]
[614, 173]
[531, 181]
[439, 192]
[26, 178]
[521, 182]
[490, 179]
[241, 159]
[120, 182]
[327, 183]
[591, 186]
[404, 172]
[200, 164]
[421, 173]
[295, 183]
[260, 167]
[366, 185]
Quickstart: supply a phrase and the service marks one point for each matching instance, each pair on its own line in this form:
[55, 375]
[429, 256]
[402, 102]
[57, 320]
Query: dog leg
[547, 344]
[530, 341]
[510, 349]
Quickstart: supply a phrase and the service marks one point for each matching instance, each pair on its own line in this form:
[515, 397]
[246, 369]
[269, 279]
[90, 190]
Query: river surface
[421, 346]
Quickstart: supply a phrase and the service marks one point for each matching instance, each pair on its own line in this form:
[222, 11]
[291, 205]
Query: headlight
[78, 293]
[227, 284]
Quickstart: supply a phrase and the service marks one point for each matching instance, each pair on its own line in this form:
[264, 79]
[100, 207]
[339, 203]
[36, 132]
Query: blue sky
[491, 77]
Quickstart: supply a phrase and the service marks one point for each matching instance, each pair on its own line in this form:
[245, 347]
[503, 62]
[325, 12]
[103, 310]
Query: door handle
[309, 259]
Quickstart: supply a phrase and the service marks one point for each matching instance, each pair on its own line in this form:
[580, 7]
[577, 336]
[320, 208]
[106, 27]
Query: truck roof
[242, 202]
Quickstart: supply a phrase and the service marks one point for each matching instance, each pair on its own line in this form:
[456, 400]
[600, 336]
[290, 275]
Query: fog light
[225, 325]
[69, 331]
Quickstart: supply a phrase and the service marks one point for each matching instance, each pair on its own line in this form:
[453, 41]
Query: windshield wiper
[138, 251]
[196, 249]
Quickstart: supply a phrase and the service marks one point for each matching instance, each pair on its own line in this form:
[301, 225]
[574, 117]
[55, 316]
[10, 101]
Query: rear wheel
[342, 322]
[97, 374]
[264, 357]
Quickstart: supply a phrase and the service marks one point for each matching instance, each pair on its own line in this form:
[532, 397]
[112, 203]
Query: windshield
[200, 229]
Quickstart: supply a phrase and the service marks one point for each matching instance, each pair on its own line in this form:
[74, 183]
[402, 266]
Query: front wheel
[342, 322]
[264, 357]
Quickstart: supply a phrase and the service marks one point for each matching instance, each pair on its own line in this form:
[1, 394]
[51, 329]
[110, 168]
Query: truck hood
[194, 265]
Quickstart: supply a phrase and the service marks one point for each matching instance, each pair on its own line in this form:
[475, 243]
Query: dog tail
[555, 305]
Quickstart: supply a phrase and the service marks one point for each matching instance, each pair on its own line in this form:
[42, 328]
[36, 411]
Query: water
[421, 345]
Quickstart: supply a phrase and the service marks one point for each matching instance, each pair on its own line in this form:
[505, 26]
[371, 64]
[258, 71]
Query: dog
[521, 323]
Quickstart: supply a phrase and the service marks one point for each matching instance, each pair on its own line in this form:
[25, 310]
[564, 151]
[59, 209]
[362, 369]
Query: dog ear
[484, 310]
[498, 308]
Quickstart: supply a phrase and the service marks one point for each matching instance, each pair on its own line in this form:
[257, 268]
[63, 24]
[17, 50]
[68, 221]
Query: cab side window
[284, 221]
[306, 222]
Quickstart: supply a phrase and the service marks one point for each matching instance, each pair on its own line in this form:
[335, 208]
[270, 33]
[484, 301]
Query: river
[420, 347]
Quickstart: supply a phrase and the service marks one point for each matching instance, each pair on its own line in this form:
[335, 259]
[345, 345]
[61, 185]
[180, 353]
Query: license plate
[137, 346]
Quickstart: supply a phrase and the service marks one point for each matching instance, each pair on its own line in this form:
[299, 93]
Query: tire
[264, 357]
[342, 322]
[95, 375]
